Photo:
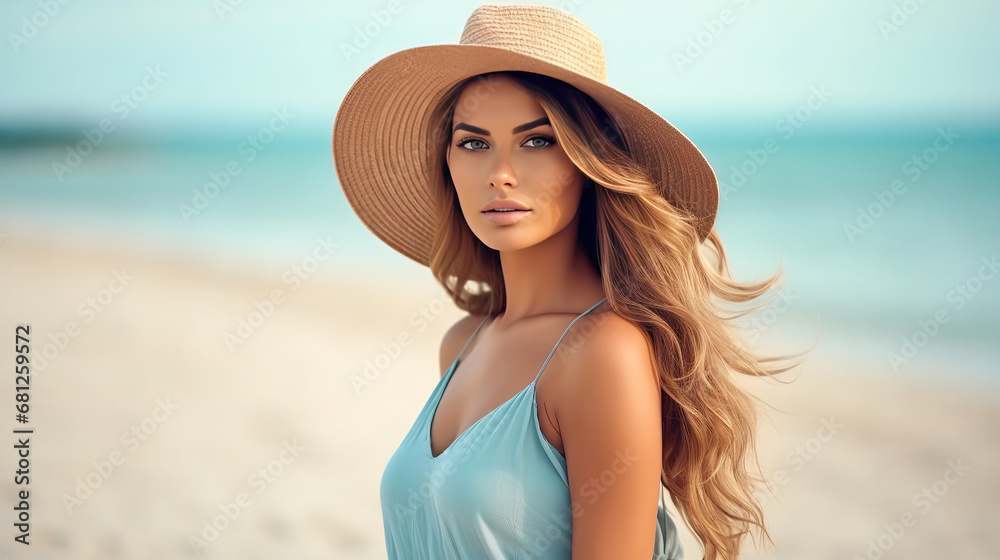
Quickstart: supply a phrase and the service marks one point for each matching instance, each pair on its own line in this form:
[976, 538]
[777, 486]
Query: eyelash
[461, 143]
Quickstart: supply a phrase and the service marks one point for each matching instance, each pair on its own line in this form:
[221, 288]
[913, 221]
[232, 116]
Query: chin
[509, 240]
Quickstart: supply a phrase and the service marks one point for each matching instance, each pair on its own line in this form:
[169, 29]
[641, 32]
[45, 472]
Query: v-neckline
[437, 404]
[446, 380]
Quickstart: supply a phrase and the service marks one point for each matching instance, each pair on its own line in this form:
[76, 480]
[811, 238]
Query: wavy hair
[658, 274]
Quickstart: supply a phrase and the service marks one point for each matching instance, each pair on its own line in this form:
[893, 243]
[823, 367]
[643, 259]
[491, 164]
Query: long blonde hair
[658, 274]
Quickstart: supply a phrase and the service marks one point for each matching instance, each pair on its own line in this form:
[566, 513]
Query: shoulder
[608, 348]
[455, 338]
[607, 363]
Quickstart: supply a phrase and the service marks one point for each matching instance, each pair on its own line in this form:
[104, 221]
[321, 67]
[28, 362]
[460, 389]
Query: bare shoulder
[607, 355]
[455, 338]
[609, 342]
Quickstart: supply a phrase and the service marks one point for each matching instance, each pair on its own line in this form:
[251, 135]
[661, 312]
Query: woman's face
[503, 152]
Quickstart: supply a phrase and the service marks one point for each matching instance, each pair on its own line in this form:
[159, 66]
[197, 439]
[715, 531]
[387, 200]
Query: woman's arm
[609, 418]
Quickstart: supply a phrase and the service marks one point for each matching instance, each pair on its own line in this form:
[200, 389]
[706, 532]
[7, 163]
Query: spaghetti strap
[565, 332]
[481, 323]
[551, 353]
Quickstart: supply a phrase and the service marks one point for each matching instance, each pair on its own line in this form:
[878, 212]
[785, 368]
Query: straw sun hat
[386, 162]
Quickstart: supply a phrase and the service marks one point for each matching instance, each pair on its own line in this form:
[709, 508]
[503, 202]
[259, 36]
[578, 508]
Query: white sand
[161, 340]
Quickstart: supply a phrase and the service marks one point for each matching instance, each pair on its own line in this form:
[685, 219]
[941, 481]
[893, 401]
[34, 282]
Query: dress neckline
[445, 380]
[437, 404]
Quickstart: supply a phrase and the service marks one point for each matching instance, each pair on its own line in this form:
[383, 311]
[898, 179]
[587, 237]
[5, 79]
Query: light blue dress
[499, 491]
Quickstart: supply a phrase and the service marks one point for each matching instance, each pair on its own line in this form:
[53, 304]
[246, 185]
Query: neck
[553, 276]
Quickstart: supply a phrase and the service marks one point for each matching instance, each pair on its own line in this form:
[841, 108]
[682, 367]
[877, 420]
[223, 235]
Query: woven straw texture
[388, 166]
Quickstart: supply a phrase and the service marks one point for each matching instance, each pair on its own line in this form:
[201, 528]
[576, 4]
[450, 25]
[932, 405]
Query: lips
[500, 206]
[501, 217]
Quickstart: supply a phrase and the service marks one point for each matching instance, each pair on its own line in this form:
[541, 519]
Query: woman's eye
[547, 140]
[465, 143]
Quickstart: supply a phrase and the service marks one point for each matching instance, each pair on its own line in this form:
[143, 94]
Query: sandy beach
[169, 391]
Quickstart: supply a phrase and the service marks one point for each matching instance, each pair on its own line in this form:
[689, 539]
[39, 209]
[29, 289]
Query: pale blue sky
[940, 66]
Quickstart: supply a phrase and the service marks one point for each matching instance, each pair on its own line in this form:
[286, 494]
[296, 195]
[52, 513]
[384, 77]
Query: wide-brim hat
[387, 164]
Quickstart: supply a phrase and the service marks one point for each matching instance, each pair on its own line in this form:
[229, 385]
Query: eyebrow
[517, 129]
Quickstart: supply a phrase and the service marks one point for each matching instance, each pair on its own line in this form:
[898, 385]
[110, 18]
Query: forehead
[498, 99]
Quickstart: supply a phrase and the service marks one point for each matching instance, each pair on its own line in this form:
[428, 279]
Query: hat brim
[385, 166]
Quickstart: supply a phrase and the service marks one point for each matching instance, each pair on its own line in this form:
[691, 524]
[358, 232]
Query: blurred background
[204, 305]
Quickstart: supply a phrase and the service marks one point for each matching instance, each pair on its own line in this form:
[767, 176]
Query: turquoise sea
[888, 237]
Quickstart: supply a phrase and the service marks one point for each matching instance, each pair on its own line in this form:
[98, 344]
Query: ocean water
[882, 235]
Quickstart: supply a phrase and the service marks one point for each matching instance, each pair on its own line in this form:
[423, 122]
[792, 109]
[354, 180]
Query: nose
[503, 174]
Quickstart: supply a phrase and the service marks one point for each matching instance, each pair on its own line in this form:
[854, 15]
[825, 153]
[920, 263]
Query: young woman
[595, 367]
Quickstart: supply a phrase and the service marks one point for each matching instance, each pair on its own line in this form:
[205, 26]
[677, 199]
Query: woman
[533, 191]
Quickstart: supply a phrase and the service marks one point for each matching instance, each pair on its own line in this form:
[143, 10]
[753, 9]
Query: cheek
[562, 188]
[569, 202]
[465, 181]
